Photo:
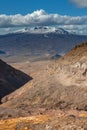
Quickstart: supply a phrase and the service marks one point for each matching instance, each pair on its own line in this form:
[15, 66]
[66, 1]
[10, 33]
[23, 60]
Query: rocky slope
[60, 85]
[11, 79]
[56, 99]
[78, 53]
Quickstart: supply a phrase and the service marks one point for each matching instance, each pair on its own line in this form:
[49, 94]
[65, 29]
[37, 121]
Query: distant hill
[24, 46]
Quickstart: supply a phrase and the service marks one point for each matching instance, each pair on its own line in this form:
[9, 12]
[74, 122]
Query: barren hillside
[59, 85]
[58, 90]
[78, 53]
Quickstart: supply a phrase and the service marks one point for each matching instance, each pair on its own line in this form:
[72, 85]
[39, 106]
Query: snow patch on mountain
[42, 30]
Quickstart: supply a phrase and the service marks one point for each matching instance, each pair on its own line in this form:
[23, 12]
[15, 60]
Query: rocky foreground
[52, 120]
[56, 98]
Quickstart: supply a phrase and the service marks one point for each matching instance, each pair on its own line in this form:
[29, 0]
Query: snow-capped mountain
[38, 43]
[42, 30]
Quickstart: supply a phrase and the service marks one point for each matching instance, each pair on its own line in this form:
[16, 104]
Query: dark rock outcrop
[11, 79]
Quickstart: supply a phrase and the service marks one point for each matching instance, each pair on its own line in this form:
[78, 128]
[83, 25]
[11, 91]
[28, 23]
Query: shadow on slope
[2, 52]
[11, 79]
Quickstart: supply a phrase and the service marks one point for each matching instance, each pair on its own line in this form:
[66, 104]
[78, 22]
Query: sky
[68, 14]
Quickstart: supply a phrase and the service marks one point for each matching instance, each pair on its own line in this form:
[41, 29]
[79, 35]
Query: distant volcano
[42, 30]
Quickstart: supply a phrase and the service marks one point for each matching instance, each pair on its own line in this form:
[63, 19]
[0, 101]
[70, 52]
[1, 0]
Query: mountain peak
[42, 30]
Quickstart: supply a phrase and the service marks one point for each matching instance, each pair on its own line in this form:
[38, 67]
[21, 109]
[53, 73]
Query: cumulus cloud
[40, 17]
[80, 3]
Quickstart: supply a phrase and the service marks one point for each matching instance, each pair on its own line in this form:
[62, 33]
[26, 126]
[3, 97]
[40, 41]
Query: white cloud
[78, 29]
[80, 3]
[41, 18]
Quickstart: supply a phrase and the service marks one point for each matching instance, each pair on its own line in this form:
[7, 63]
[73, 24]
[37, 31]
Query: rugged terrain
[60, 84]
[57, 94]
[54, 120]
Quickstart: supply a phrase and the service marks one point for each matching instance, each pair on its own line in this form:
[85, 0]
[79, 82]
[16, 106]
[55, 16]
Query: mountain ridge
[10, 79]
[43, 30]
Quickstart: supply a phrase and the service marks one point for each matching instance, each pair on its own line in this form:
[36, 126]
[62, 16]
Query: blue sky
[51, 6]
[69, 14]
